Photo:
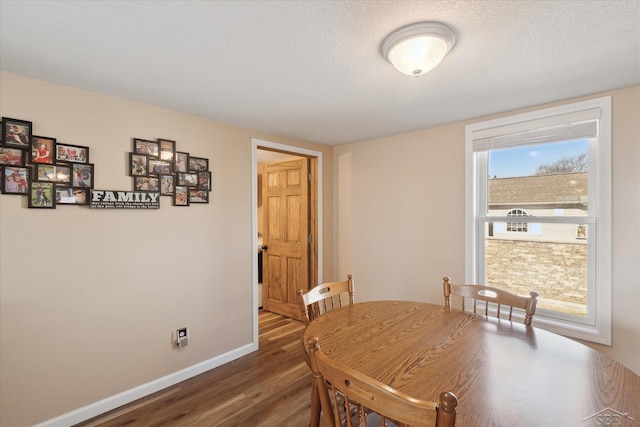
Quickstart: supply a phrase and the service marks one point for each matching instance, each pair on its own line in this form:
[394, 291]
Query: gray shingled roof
[539, 189]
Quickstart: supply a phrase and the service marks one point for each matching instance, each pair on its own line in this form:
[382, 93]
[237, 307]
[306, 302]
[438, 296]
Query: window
[518, 227]
[538, 213]
[581, 232]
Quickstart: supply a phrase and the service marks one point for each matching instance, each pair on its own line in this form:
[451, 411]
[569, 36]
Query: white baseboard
[115, 401]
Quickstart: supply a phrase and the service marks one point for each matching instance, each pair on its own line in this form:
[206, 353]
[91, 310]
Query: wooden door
[286, 235]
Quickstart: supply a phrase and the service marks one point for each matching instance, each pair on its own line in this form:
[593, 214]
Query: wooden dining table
[503, 373]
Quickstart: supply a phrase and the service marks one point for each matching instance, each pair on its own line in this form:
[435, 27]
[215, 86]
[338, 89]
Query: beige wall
[400, 216]
[90, 298]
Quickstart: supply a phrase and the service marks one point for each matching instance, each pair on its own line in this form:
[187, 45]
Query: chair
[343, 390]
[493, 295]
[323, 298]
[313, 303]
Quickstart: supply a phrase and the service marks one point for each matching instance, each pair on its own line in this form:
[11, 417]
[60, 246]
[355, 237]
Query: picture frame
[138, 164]
[15, 180]
[80, 195]
[167, 183]
[181, 195]
[16, 133]
[44, 173]
[146, 183]
[144, 146]
[198, 164]
[52, 173]
[42, 195]
[198, 196]
[158, 167]
[82, 175]
[42, 149]
[167, 149]
[63, 174]
[64, 195]
[181, 162]
[187, 179]
[68, 153]
[204, 181]
[11, 156]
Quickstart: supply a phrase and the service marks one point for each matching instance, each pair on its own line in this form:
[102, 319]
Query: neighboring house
[539, 195]
[549, 258]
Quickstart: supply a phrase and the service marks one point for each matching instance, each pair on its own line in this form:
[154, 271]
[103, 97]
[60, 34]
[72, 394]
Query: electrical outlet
[182, 337]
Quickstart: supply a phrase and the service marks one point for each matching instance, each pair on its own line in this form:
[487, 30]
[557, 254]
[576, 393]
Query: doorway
[263, 153]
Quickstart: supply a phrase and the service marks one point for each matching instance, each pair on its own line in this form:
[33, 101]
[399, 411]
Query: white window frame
[597, 327]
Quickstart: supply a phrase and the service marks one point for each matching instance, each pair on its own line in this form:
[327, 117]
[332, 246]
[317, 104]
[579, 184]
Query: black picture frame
[44, 173]
[69, 153]
[18, 175]
[64, 195]
[204, 181]
[82, 175]
[16, 133]
[40, 155]
[198, 196]
[158, 167]
[80, 195]
[188, 179]
[167, 149]
[198, 164]
[181, 195]
[146, 183]
[63, 174]
[181, 163]
[167, 183]
[138, 164]
[42, 195]
[145, 146]
[12, 156]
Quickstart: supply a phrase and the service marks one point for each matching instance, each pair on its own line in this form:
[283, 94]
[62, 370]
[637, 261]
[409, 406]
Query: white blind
[574, 125]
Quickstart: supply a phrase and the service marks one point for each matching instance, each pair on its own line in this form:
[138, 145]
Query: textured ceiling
[313, 69]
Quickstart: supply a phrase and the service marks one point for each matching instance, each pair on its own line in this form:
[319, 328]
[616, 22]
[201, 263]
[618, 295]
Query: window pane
[554, 268]
[548, 179]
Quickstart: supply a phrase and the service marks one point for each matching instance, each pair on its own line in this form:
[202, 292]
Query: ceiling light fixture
[418, 48]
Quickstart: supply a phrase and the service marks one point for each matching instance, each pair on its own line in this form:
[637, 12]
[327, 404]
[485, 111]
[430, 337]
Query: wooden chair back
[491, 295]
[343, 390]
[324, 297]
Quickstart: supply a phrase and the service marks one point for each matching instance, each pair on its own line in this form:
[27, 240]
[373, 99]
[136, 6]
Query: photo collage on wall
[48, 172]
[157, 166]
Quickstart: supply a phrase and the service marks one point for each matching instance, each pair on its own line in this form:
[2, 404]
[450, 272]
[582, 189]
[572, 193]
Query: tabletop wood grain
[503, 373]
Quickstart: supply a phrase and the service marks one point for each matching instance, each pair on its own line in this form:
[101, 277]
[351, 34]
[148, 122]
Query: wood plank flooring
[269, 387]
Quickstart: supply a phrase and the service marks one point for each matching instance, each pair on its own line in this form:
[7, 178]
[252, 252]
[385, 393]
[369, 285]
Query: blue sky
[524, 160]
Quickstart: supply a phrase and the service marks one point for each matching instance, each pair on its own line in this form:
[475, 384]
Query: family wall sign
[52, 173]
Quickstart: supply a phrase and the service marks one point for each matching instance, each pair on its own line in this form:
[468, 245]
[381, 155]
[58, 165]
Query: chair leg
[315, 405]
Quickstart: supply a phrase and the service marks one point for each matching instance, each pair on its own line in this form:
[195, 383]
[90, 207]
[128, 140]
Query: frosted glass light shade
[418, 48]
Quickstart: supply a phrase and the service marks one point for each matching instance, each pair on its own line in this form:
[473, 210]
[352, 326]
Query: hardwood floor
[270, 387]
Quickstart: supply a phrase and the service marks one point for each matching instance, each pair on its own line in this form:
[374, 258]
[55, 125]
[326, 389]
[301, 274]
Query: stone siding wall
[557, 271]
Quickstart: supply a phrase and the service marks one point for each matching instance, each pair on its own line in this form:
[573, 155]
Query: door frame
[256, 144]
